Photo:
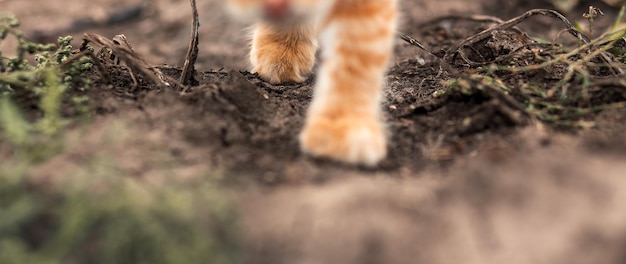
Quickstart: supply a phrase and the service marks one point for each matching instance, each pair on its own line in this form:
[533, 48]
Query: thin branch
[135, 62]
[514, 21]
[416, 43]
[186, 77]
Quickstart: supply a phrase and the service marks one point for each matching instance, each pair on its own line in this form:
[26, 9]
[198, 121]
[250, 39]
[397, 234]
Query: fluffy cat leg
[344, 121]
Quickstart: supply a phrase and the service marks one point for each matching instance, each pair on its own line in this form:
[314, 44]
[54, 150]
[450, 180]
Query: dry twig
[136, 63]
[458, 50]
[186, 77]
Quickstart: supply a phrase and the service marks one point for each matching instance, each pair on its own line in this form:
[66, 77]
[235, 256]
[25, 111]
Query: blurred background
[556, 200]
[157, 29]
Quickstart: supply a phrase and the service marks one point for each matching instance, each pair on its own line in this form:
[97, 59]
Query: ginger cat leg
[344, 121]
[282, 53]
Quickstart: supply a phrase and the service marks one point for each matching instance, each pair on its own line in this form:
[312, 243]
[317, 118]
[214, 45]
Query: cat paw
[280, 66]
[285, 55]
[352, 140]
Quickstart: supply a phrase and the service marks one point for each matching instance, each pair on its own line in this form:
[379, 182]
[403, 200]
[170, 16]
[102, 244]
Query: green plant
[101, 216]
[586, 75]
[48, 80]
[95, 212]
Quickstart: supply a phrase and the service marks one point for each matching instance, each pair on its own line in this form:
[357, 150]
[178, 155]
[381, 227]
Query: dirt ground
[464, 181]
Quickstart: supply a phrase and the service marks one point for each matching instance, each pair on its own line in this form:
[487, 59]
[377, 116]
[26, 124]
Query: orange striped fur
[344, 121]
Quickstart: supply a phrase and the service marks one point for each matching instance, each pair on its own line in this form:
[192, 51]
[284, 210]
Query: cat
[344, 121]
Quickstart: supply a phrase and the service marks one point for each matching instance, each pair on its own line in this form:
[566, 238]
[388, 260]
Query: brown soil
[465, 180]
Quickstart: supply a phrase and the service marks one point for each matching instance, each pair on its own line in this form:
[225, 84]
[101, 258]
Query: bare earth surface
[465, 181]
